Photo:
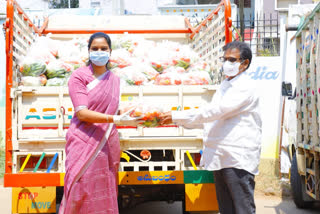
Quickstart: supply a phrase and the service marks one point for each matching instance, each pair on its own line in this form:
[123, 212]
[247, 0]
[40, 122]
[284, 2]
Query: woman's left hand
[165, 118]
[126, 120]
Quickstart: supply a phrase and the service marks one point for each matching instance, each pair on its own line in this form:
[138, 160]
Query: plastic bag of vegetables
[33, 81]
[199, 66]
[132, 75]
[58, 69]
[197, 78]
[32, 67]
[149, 113]
[57, 82]
[120, 58]
[169, 78]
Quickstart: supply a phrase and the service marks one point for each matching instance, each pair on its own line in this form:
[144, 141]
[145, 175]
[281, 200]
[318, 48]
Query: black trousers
[235, 191]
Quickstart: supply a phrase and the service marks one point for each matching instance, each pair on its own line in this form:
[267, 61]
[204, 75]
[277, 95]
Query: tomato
[156, 114]
[147, 116]
[136, 113]
[131, 50]
[164, 82]
[138, 82]
[177, 82]
[185, 59]
[175, 62]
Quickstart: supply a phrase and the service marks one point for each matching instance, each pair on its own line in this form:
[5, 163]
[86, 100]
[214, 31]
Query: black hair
[98, 35]
[245, 51]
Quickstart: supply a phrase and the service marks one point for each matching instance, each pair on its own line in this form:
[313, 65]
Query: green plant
[2, 157]
[237, 31]
[265, 52]
[268, 51]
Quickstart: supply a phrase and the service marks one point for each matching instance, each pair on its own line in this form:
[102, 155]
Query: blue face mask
[99, 58]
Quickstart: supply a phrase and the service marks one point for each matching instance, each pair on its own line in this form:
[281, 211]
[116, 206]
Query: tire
[184, 207]
[59, 195]
[298, 186]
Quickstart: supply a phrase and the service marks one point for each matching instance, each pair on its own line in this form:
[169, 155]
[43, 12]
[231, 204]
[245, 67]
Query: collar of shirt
[229, 83]
[240, 76]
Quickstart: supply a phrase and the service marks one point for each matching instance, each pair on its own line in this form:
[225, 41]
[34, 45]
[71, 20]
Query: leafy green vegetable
[33, 69]
[52, 73]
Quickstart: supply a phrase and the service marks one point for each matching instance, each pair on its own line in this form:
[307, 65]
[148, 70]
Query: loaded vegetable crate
[38, 117]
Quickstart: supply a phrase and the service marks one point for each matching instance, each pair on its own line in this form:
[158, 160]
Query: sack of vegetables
[32, 67]
[33, 81]
[58, 69]
[149, 113]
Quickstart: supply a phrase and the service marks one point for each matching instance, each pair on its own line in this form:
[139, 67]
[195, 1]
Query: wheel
[184, 207]
[298, 186]
[59, 195]
[124, 202]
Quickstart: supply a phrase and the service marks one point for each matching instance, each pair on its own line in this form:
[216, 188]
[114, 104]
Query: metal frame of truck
[192, 182]
[305, 153]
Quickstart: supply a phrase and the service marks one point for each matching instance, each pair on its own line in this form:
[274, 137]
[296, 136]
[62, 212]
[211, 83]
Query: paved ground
[265, 205]
[5, 200]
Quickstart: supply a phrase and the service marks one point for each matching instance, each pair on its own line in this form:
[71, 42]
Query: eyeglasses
[230, 59]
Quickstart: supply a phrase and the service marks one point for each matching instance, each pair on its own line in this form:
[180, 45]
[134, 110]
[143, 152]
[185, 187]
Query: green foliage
[265, 52]
[237, 32]
[268, 51]
[55, 4]
[2, 162]
[2, 157]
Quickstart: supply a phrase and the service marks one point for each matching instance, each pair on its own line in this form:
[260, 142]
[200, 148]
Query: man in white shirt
[232, 132]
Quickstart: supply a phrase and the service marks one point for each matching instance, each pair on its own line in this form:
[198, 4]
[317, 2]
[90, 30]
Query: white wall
[141, 6]
[3, 7]
[84, 3]
[107, 6]
[267, 71]
[34, 4]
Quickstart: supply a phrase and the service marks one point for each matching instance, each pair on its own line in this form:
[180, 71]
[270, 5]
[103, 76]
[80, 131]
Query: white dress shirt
[232, 126]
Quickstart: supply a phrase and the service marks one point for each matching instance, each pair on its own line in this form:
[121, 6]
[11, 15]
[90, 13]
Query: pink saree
[92, 150]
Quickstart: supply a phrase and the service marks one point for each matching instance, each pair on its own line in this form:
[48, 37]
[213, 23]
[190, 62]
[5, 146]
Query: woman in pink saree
[93, 148]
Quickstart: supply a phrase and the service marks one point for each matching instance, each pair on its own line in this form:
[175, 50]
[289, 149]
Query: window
[53, 4]
[95, 4]
[247, 3]
[209, 1]
[285, 3]
[185, 2]
[192, 2]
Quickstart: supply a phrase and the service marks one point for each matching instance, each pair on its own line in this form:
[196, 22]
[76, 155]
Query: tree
[64, 4]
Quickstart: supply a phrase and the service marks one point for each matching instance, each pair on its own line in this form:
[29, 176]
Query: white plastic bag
[33, 81]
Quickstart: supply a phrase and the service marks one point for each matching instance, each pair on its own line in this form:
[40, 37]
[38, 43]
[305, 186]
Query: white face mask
[99, 58]
[231, 69]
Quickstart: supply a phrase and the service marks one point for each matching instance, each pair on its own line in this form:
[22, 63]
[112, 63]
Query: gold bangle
[107, 118]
